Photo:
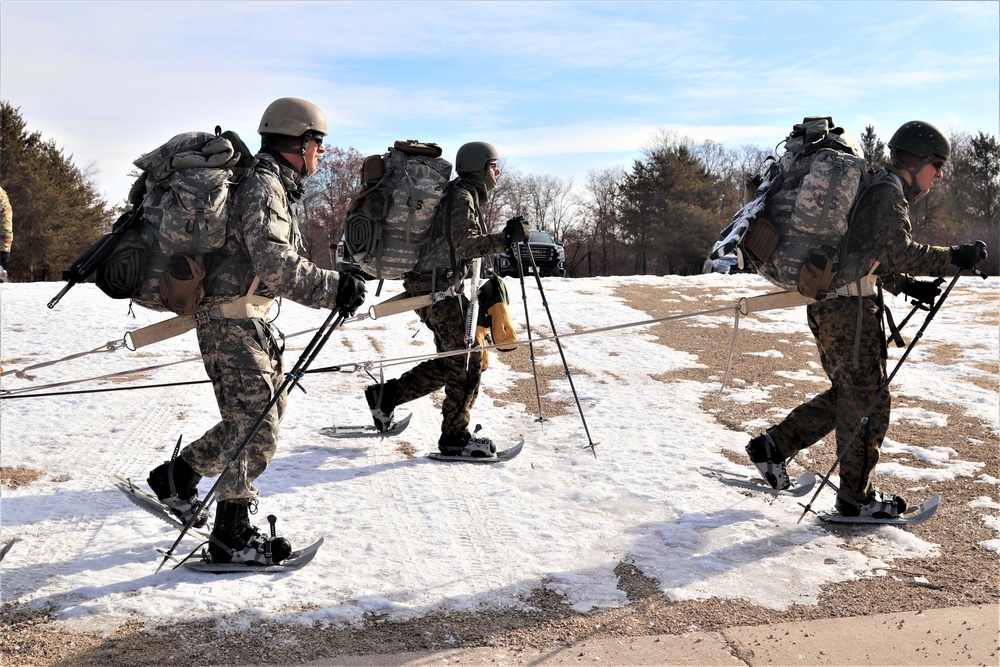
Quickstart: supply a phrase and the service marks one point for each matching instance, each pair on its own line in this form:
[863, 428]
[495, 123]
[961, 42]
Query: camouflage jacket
[263, 240]
[880, 230]
[469, 235]
[6, 222]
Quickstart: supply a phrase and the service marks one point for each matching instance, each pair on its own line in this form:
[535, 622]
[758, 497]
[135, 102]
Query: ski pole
[878, 398]
[515, 251]
[472, 315]
[291, 379]
[569, 374]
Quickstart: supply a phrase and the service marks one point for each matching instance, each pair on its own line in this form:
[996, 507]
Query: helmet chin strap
[301, 152]
[911, 190]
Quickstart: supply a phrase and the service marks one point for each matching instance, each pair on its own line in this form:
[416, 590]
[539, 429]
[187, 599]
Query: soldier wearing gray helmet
[460, 234]
[243, 356]
[851, 340]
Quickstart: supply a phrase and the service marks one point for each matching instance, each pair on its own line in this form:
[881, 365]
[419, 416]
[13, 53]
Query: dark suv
[549, 256]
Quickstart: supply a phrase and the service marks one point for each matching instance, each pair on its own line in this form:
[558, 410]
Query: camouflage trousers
[446, 320]
[841, 408]
[243, 361]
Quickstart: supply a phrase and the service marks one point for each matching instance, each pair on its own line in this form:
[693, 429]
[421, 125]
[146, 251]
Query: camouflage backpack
[183, 216]
[793, 230]
[390, 221]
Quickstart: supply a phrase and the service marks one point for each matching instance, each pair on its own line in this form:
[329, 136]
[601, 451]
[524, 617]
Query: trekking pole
[881, 392]
[515, 250]
[291, 378]
[569, 374]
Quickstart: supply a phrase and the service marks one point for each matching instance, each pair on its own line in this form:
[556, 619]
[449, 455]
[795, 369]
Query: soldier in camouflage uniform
[476, 164]
[243, 356]
[6, 232]
[880, 230]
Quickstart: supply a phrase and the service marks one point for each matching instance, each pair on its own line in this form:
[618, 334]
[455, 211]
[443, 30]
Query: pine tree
[670, 211]
[874, 149]
[57, 212]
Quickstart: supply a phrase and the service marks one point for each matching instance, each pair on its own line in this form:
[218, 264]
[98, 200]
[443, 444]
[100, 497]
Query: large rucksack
[391, 220]
[183, 216]
[794, 225]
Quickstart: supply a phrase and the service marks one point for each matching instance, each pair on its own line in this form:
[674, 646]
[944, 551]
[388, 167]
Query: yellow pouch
[481, 341]
[502, 327]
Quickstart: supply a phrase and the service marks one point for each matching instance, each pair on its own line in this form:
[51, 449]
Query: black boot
[466, 444]
[175, 483]
[764, 454]
[382, 406]
[236, 540]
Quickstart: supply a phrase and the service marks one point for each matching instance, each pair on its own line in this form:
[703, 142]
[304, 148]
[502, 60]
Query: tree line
[659, 216]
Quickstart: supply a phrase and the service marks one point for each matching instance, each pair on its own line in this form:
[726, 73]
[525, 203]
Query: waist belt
[866, 285]
[251, 306]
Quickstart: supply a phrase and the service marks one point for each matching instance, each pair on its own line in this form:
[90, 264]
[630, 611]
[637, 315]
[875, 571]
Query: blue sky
[559, 87]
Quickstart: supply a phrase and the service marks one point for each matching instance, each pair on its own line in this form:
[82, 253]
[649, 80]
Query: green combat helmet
[292, 117]
[474, 155]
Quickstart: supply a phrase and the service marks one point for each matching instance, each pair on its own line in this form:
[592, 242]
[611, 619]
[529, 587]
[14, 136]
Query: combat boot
[175, 483]
[236, 540]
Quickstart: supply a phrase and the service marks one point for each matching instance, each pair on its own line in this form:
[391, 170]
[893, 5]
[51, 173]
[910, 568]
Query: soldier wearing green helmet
[849, 332]
[242, 355]
[463, 237]
[287, 127]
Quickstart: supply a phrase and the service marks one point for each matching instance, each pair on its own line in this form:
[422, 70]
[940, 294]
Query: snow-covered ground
[405, 536]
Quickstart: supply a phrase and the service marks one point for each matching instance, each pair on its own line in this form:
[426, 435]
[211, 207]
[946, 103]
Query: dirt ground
[963, 574]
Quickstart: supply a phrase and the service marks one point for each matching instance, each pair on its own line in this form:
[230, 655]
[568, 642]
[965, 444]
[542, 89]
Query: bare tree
[324, 206]
[597, 241]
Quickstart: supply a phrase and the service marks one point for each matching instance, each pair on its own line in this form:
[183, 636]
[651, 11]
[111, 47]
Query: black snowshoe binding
[764, 454]
[383, 410]
[466, 444]
[175, 483]
[236, 540]
[879, 506]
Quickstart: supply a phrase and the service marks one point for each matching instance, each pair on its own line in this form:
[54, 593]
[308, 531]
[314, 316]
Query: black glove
[967, 256]
[923, 291]
[516, 230]
[350, 293]
[4, 258]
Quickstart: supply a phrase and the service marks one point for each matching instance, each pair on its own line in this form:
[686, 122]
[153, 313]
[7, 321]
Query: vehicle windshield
[539, 236]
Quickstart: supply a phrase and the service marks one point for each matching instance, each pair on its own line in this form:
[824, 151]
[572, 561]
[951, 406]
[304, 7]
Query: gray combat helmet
[921, 139]
[292, 117]
[474, 155]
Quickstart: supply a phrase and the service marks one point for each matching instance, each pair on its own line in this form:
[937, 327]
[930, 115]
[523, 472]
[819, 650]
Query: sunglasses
[318, 138]
[938, 164]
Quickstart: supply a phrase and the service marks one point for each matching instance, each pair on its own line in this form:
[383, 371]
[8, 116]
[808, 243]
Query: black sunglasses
[939, 164]
[318, 138]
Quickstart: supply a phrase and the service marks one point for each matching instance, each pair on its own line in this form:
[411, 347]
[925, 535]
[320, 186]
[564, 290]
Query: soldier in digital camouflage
[6, 231]
[243, 356]
[849, 332]
[476, 164]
